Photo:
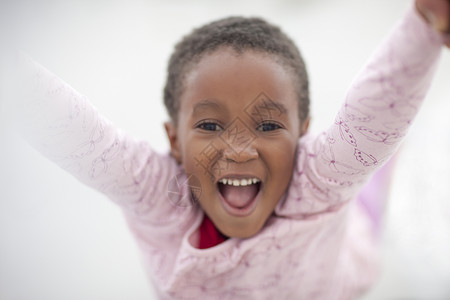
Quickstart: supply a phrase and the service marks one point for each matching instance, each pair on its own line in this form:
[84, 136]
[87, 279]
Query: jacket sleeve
[374, 118]
[66, 128]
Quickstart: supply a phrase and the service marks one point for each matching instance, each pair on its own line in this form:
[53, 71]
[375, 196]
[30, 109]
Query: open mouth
[239, 196]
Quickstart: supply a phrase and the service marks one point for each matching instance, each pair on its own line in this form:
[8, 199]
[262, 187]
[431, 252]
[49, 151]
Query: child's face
[238, 120]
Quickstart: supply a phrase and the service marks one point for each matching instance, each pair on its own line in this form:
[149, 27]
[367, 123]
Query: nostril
[244, 155]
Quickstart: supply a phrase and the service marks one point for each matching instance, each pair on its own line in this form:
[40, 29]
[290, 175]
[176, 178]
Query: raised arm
[379, 108]
[61, 124]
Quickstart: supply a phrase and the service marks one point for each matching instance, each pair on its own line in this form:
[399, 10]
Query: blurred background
[61, 240]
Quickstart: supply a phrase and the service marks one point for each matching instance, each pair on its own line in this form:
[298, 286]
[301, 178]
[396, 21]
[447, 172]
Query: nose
[240, 155]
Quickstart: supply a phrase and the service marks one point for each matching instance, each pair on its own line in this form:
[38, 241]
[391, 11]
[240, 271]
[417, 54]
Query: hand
[437, 14]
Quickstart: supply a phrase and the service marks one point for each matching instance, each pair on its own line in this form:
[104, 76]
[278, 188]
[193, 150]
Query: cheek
[190, 154]
[280, 158]
[198, 156]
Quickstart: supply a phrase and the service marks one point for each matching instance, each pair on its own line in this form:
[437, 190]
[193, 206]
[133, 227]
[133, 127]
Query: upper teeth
[239, 182]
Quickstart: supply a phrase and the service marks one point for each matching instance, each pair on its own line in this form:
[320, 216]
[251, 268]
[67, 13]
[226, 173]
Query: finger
[447, 41]
[436, 12]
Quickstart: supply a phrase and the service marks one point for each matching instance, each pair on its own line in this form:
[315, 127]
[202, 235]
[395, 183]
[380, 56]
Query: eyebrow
[206, 104]
[271, 105]
[267, 109]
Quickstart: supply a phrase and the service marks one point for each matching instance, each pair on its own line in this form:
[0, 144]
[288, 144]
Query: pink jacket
[318, 244]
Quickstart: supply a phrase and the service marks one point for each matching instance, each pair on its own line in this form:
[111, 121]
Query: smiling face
[237, 133]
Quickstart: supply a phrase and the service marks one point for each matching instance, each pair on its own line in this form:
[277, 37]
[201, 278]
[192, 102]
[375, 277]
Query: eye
[209, 126]
[268, 126]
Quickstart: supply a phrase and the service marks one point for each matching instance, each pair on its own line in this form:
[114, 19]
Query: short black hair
[240, 34]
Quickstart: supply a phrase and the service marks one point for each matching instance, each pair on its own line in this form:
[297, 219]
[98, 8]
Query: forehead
[237, 79]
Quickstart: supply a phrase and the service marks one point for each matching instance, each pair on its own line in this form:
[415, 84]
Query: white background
[61, 240]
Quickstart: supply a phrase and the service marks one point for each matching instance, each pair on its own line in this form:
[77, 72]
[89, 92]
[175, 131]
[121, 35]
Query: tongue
[239, 196]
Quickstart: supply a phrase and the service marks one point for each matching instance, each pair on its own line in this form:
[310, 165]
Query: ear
[304, 126]
[175, 150]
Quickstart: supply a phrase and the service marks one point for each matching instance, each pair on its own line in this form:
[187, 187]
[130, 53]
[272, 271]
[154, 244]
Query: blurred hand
[437, 14]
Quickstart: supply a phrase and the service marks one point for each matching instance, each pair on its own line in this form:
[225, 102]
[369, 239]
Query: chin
[241, 231]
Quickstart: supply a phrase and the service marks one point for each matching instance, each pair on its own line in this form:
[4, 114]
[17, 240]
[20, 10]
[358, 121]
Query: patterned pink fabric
[317, 245]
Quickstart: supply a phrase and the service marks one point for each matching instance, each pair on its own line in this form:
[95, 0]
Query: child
[275, 214]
